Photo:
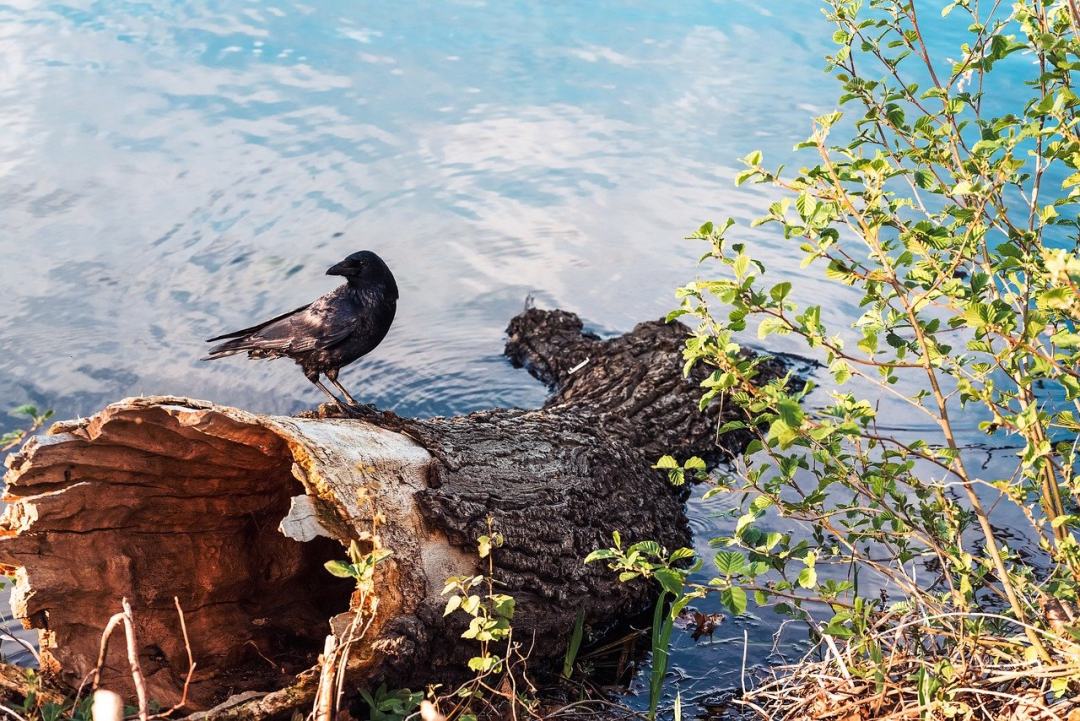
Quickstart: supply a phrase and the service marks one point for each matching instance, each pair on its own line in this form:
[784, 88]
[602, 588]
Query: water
[170, 171]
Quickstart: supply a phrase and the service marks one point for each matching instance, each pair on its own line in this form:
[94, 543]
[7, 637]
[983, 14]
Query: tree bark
[234, 514]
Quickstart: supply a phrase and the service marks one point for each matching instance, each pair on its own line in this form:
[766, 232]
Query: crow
[325, 336]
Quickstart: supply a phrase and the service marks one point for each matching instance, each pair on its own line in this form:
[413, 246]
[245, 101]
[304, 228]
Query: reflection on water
[172, 170]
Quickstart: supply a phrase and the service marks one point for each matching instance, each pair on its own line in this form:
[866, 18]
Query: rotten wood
[235, 513]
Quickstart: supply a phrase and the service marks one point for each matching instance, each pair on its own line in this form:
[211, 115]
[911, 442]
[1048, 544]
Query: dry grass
[925, 668]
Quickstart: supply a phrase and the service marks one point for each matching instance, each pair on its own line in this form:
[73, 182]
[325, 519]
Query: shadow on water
[169, 171]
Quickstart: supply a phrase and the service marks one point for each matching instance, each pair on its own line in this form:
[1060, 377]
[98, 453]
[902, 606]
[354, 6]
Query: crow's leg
[332, 376]
[314, 378]
[330, 395]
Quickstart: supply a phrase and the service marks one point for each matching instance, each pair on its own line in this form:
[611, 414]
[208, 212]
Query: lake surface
[171, 171]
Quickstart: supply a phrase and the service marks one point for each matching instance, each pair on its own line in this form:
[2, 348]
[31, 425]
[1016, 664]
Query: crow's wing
[320, 325]
[259, 326]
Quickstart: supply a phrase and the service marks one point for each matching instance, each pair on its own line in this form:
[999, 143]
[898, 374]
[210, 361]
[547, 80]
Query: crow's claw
[363, 409]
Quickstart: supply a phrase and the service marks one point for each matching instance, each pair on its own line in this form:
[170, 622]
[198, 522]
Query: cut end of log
[233, 514]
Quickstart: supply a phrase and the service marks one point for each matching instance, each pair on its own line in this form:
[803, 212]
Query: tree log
[234, 514]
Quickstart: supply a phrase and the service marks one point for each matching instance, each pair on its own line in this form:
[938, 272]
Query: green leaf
[840, 370]
[783, 433]
[730, 563]
[806, 205]
[679, 554]
[693, 463]
[667, 462]
[600, 554]
[759, 504]
[734, 599]
[770, 325]
[470, 604]
[780, 291]
[741, 265]
[731, 426]
[790, 412]
[503, 605]
[671, 581]
[340, 569]
[838, 630]
[483, 664]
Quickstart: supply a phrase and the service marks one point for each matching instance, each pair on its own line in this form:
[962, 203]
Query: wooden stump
[235, 513]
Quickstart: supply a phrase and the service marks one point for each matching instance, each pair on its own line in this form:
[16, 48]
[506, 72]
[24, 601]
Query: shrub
[947, 202]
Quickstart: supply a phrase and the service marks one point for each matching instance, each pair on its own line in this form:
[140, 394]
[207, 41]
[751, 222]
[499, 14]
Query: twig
[105, 636]
[33, 651]
[1074, 16]
[597, 702]
[742, 676]
[25, 433]
[133, 659]
[82, 685]
[324, 695]
[1026, 703]
[191, 665]
[11, 712]
[273, 664]
[836, 654]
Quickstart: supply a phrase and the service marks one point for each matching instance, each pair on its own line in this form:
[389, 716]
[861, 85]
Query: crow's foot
[349, 410]
[360, 410]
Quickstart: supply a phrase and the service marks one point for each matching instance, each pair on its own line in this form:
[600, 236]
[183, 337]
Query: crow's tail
[228, 348]
[240, 340]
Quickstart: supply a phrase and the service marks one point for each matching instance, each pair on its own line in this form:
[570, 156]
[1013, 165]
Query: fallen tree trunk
[234, 515]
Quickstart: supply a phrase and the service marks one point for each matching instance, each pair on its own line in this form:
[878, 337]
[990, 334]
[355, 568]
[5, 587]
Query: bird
[330, 333]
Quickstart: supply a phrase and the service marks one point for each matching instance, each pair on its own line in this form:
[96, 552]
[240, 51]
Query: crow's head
[364, 269]
[363, 266]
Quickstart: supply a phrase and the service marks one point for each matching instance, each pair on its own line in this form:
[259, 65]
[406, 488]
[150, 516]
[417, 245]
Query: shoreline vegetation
[946, 201]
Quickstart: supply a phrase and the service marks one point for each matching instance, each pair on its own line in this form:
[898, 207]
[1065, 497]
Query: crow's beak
[338, 269]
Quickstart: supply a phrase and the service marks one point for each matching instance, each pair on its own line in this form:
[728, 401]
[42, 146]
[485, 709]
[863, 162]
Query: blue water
[170, 171]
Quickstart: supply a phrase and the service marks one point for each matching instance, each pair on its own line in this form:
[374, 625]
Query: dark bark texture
[160, 497]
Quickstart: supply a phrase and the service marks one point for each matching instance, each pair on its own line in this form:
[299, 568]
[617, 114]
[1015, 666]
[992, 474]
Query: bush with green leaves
[360, 566]
[943, 197]
[648, 560]
[386, 705]
[500, 685]
[490, 614]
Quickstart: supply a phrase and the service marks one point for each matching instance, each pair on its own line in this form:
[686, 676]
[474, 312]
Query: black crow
[329, 334]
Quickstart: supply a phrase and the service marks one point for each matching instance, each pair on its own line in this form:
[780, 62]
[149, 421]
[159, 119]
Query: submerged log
[234, 515]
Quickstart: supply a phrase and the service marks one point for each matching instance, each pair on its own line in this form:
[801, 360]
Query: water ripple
[170, 171]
